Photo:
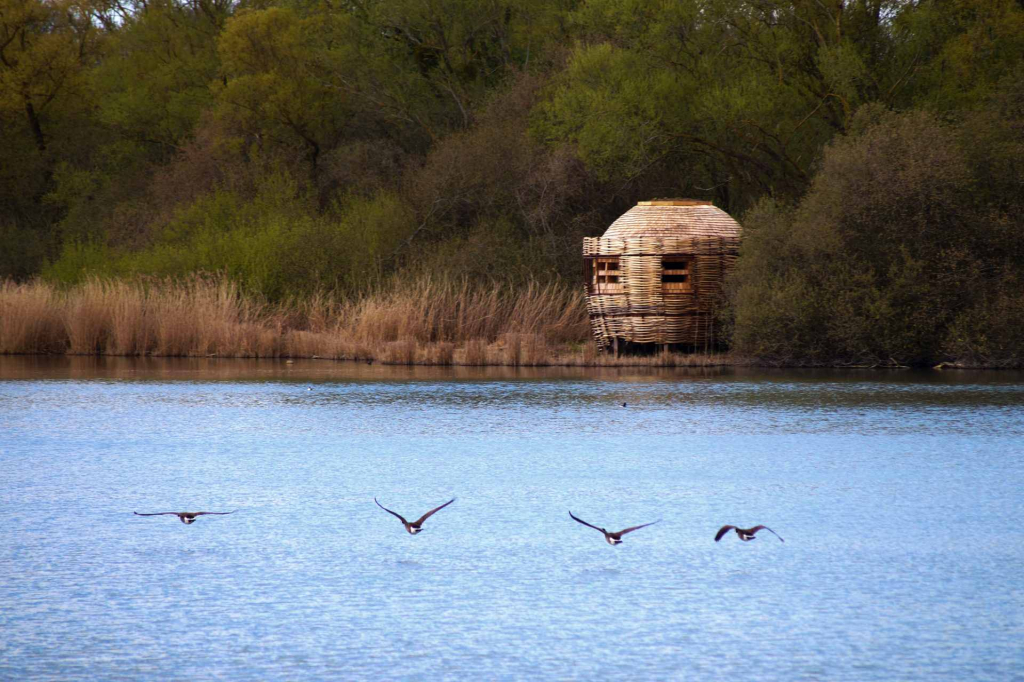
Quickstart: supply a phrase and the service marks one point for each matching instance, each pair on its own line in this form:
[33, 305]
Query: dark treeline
[872, 149]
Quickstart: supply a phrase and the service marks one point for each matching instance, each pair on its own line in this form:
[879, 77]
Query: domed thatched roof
[673, 218]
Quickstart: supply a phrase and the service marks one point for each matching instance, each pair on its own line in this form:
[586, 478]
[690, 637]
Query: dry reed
[401, 352]
[88, 317]
[132, 331]
[475, 352]
[426, 321]
[441, 353]
[30, 319]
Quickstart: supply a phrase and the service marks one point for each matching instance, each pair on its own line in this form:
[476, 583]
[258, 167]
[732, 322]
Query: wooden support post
[615, 346]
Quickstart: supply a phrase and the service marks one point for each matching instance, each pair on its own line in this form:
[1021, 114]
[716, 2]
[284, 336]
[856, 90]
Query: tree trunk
[33, 122]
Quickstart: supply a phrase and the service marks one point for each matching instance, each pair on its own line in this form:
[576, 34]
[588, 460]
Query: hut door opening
[605, 278]
[676, 274]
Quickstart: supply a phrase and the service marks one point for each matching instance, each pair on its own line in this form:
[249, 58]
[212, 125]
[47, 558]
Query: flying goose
[613, 538]
[745, 534]
[186, 517]
[414, 526]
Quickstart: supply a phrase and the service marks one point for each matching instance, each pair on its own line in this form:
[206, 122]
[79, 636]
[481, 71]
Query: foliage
[888, 257]
[307, 145]
[154, 83]
[737, 97]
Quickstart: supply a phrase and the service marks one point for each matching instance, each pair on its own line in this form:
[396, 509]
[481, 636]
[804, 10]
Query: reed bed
[31, 319]
[432, 321]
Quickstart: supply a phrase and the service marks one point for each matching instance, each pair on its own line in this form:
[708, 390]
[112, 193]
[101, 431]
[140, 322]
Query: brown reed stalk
[401, 352]
[434, 309]
[131, 328]
[535, 350]
[475, 352]
[512, 349]
[430, 319]
[177, 320]
[31, 318]
[440, 353]
[88, 317]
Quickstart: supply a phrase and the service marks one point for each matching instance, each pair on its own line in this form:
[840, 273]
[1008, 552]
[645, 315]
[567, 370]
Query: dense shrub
[271, 244]
[892, 257]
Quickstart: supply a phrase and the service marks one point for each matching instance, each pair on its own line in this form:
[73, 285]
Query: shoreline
[422, 323]
[499, 356]
[429, 355]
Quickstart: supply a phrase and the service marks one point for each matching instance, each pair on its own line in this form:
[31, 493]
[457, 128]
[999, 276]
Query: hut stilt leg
[615, 346]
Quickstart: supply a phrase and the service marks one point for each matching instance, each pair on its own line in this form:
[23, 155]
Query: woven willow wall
[641, 310]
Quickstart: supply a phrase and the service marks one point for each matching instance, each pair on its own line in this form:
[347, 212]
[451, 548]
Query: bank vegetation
[446, 322]
[332, 164]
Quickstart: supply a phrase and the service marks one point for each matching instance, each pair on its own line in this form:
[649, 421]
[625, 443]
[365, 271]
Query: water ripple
[898, 498]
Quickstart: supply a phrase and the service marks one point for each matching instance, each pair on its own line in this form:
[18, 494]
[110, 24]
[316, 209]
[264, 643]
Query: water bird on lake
[414, 526]
[613, 538]
[746, 534]
[187, 517]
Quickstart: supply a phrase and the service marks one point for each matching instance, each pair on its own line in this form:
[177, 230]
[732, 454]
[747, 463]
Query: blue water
[899, 496]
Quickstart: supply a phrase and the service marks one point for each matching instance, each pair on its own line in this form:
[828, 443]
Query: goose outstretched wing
[433, 511]
[722, 531]
[633, 528]
[577, 520]
[757, 528]
[398, 516]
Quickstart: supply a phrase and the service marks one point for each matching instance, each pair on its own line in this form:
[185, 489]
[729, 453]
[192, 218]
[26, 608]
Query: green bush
[888, 259]
[272, 244]
[23, 251]
[79, 261]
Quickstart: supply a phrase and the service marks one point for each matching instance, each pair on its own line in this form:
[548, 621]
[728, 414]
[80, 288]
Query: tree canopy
[304, 145]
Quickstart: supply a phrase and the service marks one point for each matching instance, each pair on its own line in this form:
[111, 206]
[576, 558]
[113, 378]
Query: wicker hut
[655, 276]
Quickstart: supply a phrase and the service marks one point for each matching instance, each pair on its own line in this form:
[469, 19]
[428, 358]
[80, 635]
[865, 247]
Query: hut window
[675, 274]
[606, 275]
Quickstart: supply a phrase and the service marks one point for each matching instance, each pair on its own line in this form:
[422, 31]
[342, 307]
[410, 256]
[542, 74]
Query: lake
[899, 496]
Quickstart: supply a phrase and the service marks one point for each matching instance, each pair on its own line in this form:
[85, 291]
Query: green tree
[737, 96]
[267, 92]
[154, 81]
[958, 51]
[887, 255]
[44, 48]
[45, 104]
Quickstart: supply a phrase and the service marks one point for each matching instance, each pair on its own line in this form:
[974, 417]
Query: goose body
[612, 538]
[414, 527]
[745, 534]
[187, 517]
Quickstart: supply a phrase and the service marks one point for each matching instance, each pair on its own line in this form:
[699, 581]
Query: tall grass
[31, 319]
[441, 310]
[425, 321]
